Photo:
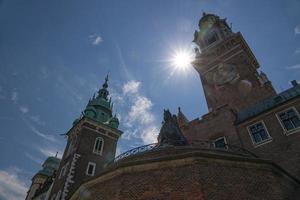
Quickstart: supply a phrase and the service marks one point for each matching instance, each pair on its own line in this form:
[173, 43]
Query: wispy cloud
[24, 109]
[11, 186]
[47, 137]
[297, 29]
[46, 151]
[297, 66]
[96, 39]
[14, 96]
[33, 158]
[297, 51]
[131, 87]
[37, 119]
[140, 120]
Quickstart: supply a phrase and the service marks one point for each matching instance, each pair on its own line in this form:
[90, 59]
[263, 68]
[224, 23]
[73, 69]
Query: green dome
[100, 108]
[49, 166]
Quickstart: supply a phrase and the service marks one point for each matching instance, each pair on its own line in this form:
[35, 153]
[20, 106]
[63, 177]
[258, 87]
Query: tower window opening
[98, 146]
[211, 38]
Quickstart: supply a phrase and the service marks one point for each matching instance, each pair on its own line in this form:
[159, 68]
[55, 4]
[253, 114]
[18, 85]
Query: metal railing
[136, 150]
[202, 144]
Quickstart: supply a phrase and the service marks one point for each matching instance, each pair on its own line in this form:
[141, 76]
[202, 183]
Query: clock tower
[227, 67]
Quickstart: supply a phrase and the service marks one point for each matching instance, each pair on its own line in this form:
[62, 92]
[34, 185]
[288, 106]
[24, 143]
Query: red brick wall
[184, 176]
[212, 126]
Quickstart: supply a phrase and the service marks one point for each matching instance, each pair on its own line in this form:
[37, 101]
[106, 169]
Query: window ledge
[290, 132]
[98, 153]
[263, 142]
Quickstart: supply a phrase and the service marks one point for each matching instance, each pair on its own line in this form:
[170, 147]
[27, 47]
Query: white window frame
[262, 142]
[87, 169]
[225, 141]
[94, 149]
[285, 131]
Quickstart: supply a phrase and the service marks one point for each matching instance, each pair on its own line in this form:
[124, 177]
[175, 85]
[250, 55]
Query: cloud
[96, 39]
[49, 152]
[297, 66]
[297, 51]
[11, 186]
[14, 96]
[43, 135]
[131, 87]
[149, 135]
[140, 111]
[36, 119]
[33, 158]
[24, 109]
[47, 137]
[297, 29]
[140, 121]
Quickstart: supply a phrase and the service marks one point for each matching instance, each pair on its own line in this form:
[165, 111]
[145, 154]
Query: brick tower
[91, 145]
[227, 67]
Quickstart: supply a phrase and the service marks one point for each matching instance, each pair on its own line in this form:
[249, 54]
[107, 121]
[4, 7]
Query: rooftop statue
[170, 133]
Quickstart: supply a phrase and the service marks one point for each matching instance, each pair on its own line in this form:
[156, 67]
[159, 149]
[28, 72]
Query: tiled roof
[268, 104]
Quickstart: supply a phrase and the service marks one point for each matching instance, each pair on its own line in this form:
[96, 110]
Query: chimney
[294, 83]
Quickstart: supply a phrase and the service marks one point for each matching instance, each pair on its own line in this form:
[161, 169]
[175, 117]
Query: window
[220, 143]
[289, 119]
[90, 170]
[211, 38]
[62, 172]
[259, 133]
[98, 146]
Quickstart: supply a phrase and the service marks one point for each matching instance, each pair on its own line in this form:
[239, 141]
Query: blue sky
[54, 56]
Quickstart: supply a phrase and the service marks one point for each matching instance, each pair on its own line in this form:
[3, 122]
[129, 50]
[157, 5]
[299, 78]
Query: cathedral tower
[42, 179]
[91, 145]
[227, 67]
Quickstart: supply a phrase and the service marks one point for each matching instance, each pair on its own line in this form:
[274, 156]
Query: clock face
[225, 73]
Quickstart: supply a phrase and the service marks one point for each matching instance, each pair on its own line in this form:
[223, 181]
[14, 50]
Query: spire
[105, 85]
[100, 108]
[181, 118]
[103, 92]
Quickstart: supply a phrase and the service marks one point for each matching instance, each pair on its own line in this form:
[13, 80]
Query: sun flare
[182, 59]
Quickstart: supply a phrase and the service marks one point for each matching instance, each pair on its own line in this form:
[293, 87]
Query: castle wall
[190, 174]
[283, 149]
[212, 126]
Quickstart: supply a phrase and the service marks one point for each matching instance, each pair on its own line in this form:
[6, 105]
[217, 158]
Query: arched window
[98, 146]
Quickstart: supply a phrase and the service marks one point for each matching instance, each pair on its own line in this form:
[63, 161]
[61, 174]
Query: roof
[268, 104]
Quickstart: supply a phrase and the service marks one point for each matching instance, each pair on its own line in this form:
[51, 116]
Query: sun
[181, 59]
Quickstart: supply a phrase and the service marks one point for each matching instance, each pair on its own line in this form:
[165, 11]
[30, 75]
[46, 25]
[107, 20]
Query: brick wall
[192, 175]
[283, 149]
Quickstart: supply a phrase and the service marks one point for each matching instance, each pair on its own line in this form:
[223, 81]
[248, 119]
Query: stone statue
[170, 133]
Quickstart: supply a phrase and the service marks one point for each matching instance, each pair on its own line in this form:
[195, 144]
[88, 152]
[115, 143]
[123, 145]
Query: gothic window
[211, 37]
[90, 170]
[220, 143]
[98, 146]
[289, 119]
[258, 133]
